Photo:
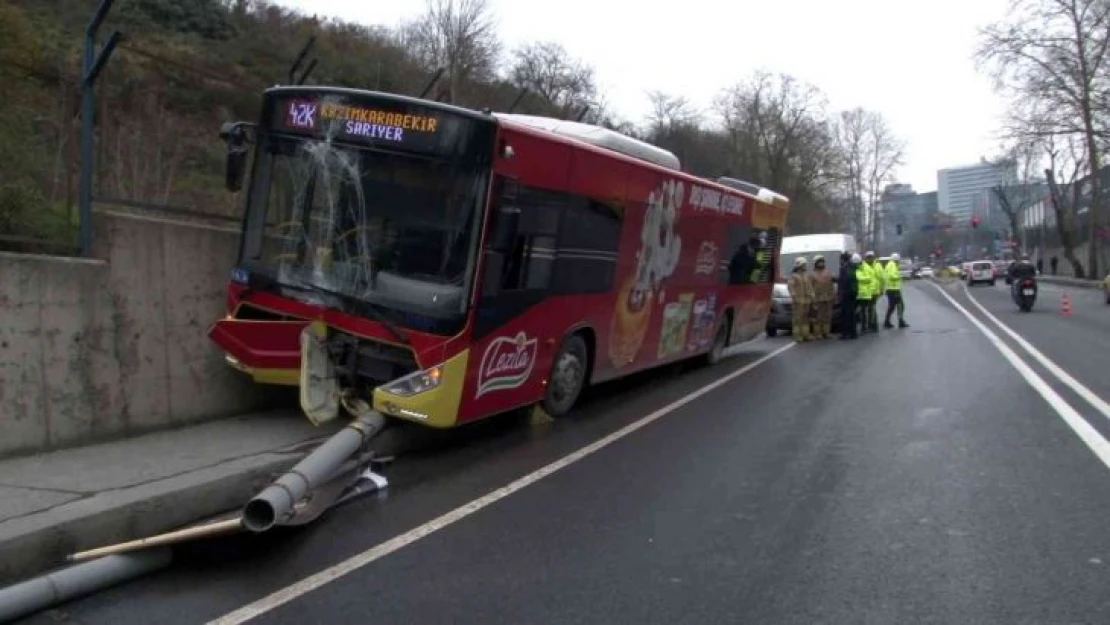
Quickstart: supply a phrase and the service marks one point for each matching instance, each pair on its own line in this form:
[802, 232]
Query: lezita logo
[507, 363]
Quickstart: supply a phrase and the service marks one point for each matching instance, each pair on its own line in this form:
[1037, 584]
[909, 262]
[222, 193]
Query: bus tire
[720, 342]
[568, 376]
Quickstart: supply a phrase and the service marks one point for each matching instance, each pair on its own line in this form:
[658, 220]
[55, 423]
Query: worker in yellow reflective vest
[757, 269]
[893, 273]
[801, 297]
[863, 294]
[875, 272]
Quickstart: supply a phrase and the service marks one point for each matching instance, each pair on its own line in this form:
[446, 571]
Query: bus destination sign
[414, 129]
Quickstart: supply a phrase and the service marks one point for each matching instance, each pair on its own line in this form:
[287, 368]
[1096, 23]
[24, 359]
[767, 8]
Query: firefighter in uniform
[894, 292]
[876, 290]
[801, 295]
[863, 294]
[823, 292]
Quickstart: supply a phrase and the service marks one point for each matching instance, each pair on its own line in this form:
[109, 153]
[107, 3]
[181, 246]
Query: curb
[1078, 283]
[40, 541]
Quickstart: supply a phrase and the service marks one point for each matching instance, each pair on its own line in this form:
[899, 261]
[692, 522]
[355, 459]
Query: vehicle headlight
[416, 382]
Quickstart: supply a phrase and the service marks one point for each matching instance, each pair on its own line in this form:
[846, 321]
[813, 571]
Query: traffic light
[899, 229]
[975, 221]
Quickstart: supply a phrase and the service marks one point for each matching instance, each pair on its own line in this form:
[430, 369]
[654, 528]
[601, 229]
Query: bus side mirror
[236, 165]
[505, 229]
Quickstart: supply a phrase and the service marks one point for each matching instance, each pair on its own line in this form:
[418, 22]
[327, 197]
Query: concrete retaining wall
[98, 349]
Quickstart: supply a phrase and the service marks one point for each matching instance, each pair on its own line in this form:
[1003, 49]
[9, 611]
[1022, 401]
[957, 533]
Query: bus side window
[588, 244]
[529, 247]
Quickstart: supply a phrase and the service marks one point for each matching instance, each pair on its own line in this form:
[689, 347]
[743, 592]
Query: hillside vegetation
[183, 68]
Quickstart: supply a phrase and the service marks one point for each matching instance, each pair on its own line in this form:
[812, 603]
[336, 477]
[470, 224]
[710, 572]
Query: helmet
[856, 259]
[895, 256]
[869, 254]
[800, 262]
[818, 259]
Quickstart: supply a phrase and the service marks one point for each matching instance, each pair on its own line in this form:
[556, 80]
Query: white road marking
[1087, 394]
[332, 573]
[1089, 435]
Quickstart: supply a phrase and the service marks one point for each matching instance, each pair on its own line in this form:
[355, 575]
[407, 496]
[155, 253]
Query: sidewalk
[54, 504]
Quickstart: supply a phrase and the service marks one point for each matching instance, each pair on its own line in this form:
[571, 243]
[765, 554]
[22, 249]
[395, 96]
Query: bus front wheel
[568, 376]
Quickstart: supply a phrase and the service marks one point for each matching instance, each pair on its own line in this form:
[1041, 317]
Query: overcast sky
[911, 61]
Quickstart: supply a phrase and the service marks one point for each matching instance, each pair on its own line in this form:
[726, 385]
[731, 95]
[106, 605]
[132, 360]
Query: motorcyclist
[1022, 269]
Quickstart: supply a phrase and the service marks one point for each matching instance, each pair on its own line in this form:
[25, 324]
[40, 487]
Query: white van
[831, 246]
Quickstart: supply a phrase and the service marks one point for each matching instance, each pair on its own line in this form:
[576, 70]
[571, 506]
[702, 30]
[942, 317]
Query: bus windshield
[380, 226]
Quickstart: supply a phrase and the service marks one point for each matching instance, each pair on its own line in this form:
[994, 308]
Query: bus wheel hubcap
[568, 371]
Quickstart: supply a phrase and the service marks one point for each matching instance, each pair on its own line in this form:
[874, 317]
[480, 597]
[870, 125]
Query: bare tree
[778, 136]
[547, 69]
[1050, 56]
[458, 35]
[1017, 195]
[1065, 170]
[870, 154]
[670, 113]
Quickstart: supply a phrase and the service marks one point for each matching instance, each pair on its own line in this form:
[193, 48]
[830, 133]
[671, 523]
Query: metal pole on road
[275, 503]
[42, 592]
[93, 63]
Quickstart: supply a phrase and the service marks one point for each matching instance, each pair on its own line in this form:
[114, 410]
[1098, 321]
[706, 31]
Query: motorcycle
[1024, 293]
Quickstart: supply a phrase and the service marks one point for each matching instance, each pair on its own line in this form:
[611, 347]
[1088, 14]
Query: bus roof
[818, 243]
[601, 137]
[617, 144]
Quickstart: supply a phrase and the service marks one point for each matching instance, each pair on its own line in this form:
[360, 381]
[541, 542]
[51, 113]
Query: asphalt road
[1079, 342]
[909, 476]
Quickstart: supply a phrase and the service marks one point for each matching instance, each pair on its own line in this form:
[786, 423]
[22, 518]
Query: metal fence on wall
[133, 129]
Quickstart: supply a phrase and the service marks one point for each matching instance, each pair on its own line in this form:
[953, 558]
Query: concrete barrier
[114, 346]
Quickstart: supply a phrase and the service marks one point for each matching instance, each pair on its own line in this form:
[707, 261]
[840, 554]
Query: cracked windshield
[336, 217]
[511, 311]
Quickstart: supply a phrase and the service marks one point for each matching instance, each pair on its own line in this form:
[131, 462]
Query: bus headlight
[416, 382]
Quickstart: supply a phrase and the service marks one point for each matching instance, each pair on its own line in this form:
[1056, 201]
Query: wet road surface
[1078, 342]
[909, 476]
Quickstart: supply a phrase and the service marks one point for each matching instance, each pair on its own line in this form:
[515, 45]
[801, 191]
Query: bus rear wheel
[720, 338]
[568, 376]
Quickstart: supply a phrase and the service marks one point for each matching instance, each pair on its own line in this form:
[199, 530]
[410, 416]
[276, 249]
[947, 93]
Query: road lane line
[1087, 394]
[1088, 434]
[334, 572]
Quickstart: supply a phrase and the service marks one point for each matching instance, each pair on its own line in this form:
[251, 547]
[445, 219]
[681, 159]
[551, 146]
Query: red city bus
[442, 264]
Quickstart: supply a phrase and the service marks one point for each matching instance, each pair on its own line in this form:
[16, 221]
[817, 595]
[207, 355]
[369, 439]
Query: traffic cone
[1065, 305]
